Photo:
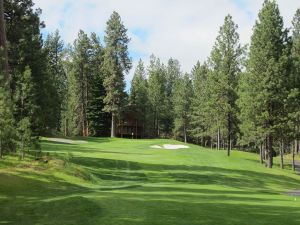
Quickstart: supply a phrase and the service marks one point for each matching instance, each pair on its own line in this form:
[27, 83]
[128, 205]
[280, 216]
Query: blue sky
[182, 29]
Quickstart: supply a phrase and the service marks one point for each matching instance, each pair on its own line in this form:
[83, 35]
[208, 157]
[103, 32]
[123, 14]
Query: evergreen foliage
[266, 77]
[116, 63]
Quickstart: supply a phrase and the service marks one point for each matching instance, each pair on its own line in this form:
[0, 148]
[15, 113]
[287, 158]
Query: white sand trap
[66, 141]
[156, 146]
[169, 146]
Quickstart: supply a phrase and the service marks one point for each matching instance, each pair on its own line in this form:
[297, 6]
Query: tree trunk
[294, 149]
[158, 133]
[0, 147]
[229, 135]
[261, 153]
[113, 132]
[136, 129]
[3, 46]
[66, 125]
[122, 128]
[218, 141]
[281, 155]
[82, 117]
[270, 151]
[22, 152]
[184, 130]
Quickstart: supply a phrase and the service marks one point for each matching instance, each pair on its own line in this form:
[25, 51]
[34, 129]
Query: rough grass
[125, 182]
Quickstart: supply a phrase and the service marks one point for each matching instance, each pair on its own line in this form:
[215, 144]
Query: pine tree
[138, 98]
[25, 115]
[116, 63]
[156, 93]
[182, 96]
[54, 48]
[6, 121]
[25, 49]
[99, 120]
[225, 61]
[293, 101]
[200, 110]
[6, 116]
[81, 56]
[172, 74]
[3, 48]
[264, 80]
[70, 116]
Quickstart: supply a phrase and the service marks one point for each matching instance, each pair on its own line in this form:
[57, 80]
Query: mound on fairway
[116, 181]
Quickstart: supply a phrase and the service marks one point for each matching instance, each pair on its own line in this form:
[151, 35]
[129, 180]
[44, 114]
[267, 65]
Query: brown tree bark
[269, 149]
[261, 153]
[294, 149]
[113, 131]
[281, 155]
[218, 139]
[185, 136]
[229, 136]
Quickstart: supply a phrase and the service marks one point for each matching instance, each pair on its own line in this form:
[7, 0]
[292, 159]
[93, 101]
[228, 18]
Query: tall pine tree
[225, 62]
[138, 98]
[264, 80]
[116, 64]
[182, 96]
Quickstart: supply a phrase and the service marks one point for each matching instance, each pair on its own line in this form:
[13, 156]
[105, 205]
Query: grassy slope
[125, 182]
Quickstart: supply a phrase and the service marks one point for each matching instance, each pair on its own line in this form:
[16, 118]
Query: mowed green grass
[125, 182]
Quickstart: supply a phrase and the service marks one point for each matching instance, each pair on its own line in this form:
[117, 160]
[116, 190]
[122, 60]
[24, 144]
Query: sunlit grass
[116, 181]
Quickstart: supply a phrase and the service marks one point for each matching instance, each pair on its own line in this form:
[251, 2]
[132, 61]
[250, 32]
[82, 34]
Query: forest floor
[106, 181]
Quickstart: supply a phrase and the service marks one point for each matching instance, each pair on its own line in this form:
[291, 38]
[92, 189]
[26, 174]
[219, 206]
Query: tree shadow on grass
[67, 211]
[177, 213]
[30, 200]
[111, 169]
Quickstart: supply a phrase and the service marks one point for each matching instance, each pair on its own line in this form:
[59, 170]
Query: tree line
[244, 97]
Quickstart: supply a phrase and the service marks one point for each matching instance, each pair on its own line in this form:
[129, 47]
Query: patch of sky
[242, 4]
[140, 33]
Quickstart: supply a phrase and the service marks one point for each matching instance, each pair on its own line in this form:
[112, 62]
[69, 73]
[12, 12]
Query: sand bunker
[175, 146]
[169, 146]
[66, 141]
[156, 146]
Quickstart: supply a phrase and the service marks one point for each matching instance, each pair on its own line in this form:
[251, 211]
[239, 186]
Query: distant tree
[54, 48]
[81, 56]
[156, 92]
[71, 113]
[138, 98]
[116, 63]
[200, 110]
[172, 74]
[99, 120]
[182, 97]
